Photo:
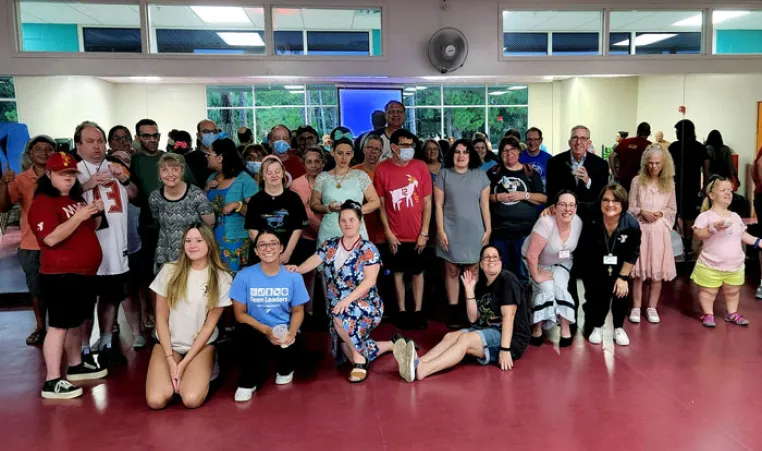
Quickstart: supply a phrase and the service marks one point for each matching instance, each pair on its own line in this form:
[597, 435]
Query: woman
[229, 189]
[548, 254]
[499, 331]
[461, 199]
[275, 207]
[487, 159]
[69, 258]
[252, 155]
[652, 202]
[432, 155]
[720, 158]
[191, 294]
[350, 266]
[269, 307]
[608, 248]
[334, 187]
[175, 206]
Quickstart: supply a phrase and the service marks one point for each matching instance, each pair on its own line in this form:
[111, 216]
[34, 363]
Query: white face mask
[407, 154]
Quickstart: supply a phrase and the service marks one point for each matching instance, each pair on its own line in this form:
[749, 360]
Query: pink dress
[657, 261]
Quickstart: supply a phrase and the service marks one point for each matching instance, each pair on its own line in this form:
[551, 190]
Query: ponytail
[707, 203]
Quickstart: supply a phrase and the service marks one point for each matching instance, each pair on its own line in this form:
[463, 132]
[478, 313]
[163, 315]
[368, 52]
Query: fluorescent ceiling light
[239, 39]
[407, 94]
[420, 88]
[455, 77]
[145, 78]
[498, 93]
[717, 17]
[296, 92]
[294, 87]
[646, 39]
[517, 88]
[221, 14]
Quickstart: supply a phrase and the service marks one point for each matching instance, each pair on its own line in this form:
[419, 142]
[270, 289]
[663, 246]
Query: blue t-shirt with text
[539, 163]
[269, 299]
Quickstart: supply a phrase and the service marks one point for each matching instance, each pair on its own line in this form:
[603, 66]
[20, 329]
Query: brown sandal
[359, 372]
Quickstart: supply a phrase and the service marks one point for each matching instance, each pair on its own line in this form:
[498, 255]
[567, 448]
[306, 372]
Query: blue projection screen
[357, 104]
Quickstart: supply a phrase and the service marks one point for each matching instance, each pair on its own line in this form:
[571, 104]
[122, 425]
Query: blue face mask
[208, 138]
[280, 147]
[407, 154]
[253, 166]
[327, 148]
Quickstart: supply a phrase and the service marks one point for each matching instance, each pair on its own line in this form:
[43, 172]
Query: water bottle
[280, 332]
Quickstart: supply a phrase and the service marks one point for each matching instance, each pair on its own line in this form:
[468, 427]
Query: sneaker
[405, 355]
[111, 356]
[635, 315]
[284, 379]
[85, 371]
[88, 357]
[139, 343]
[737, 319]
[758, 295]
[708, 320]
[620, 337]
[652, 316]
[595, 336]
[60, 389]
[244, 394]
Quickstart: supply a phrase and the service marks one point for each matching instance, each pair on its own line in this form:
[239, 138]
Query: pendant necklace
[339, 182]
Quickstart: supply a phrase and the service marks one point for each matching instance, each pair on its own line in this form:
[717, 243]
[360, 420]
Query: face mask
[208, 138]
[253, 166]
[280, 147]
[407, 154]
[327, 148]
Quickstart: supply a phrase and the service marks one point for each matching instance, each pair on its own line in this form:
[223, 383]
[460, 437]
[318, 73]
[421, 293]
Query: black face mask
[242, 139]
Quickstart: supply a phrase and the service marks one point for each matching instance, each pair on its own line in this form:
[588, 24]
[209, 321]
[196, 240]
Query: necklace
[97, 170]
[350, 247]
[339, 182]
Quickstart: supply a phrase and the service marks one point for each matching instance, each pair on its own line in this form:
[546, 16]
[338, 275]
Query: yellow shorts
[707, 277]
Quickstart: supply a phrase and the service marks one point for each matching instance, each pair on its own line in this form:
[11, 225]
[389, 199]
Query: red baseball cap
[61, 161]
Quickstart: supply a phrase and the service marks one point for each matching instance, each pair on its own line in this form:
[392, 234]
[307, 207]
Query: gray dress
[462, 214]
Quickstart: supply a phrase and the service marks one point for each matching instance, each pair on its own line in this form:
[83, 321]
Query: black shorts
[70, 299]
[141, 271]
[111, 288]
[406, 260]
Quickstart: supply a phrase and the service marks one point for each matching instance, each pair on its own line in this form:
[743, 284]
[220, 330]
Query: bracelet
[756, 243]
[240, 206]
[505, 349]
[625, 278]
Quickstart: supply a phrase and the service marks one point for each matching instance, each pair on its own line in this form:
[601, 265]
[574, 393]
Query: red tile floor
[678, 386]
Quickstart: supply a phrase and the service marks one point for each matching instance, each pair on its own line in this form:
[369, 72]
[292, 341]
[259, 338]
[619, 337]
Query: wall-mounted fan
[448, 49]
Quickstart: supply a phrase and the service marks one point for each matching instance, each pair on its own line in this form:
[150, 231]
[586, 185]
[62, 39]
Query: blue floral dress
[234, 252]
[363, 315]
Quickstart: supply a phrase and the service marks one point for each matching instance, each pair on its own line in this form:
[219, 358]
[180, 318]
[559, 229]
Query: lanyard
[610, 250]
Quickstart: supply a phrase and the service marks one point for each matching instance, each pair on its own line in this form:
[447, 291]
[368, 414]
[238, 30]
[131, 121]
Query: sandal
[737, 319]
[359, 372]
[36, 337]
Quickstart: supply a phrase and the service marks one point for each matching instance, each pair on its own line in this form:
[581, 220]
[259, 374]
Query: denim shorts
[490, 341]
[30, 263]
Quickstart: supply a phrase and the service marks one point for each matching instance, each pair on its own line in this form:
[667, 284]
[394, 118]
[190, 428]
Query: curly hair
[667, 174]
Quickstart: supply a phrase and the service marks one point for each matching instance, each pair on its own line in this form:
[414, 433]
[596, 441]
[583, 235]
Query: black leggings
[254, 353]
[599, 296]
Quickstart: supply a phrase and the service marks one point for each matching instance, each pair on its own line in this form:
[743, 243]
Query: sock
[105, 341]
[85, 348]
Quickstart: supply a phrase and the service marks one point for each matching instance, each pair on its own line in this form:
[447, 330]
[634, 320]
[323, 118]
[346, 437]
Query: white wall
[541, 97]
[56, 105]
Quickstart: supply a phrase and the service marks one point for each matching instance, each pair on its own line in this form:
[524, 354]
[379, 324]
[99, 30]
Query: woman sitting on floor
[191, 294]
[269, 308]
[499, 333]
[351, 265]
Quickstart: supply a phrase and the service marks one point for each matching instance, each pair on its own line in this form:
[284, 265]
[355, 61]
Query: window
[336, 31]
[655, 32]
[79, 27]
[8, 112]
[540, 33]
[232, 30]
[737, 32]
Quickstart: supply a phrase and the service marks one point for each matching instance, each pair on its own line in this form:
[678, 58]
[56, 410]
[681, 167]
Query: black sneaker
[419, 321]
[60, 389]
[455, 317]
[85, 371]
[403, 320]
[111, 356]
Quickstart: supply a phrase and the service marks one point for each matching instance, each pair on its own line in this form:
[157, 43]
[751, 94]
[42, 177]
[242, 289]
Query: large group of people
[181, 236]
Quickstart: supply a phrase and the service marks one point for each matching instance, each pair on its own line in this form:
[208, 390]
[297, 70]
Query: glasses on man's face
[121, 139]
[580, 138]
[568, 205]
[210, 130]
[272, 245]
[149, 136]
[490, 258]
[373, 149]
[534, 140]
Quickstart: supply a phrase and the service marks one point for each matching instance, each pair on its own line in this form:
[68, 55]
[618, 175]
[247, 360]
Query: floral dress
[234, 252]
[364, 314]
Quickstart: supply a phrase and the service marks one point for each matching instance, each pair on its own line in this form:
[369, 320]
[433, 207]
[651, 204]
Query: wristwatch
[527, 195]
[623, 277]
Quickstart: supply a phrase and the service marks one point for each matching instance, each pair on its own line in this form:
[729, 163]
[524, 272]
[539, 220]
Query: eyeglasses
[569, 205]
[373, 149]
[534, 140]
[610, 201]
[123, 139]
[490, 258]
[271, 245]
[207, 131]
[580, 138]
[147, 136]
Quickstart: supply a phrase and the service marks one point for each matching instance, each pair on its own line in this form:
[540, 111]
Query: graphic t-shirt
[284, 214]
[505, 290]
[80, 253]
[188, 315]
[510, 220]
[269, 299]
[538, 163]
[403, 189]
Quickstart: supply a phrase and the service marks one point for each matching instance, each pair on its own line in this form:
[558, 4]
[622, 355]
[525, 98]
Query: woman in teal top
[229, 188]
[342, 183]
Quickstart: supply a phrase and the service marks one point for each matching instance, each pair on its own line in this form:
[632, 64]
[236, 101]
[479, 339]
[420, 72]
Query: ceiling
[489, 80]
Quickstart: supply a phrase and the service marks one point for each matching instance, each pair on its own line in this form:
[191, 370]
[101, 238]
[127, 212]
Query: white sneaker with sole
[652, 316]
[139, 342]
[620, 337]
[758, 295]
[244, 394]
[595, 336]
[284, 379]
[635, 315]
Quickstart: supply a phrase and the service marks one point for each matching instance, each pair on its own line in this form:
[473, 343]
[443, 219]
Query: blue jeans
[511, 252]
[490, 341]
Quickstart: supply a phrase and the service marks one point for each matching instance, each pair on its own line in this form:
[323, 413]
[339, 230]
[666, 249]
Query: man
[245, 137]
[306, 136]
[659, 139]
[120, 138]
[206, 133]
[19, 189]
[577, 170]
[404, 186]
[629, 151]
[691, 162]
[395, 117]
[279, 139]
[377, 120]
[535, 157]
[107, 181]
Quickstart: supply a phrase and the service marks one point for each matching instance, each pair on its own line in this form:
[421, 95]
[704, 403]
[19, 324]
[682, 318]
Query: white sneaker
[620, 337]
[758, 295]
[652, 316]
[284, 379]
[244, 394]
[595, 336]
[635, 315]
[139, 342]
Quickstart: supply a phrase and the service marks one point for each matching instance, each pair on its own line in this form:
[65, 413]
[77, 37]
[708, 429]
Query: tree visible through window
[8, 111]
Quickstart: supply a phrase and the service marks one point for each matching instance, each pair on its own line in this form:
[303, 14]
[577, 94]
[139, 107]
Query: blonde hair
[667, 174]
[707, 203]
[171, 159]
[266, 162]
[178, 282]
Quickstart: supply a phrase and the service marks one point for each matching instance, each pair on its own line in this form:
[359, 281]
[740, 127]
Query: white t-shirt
[189, 315]
[113, 238]
[547, 228]
[387, 151]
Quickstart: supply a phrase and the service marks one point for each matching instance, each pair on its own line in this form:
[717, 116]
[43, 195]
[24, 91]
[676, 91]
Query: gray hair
[579, 127]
